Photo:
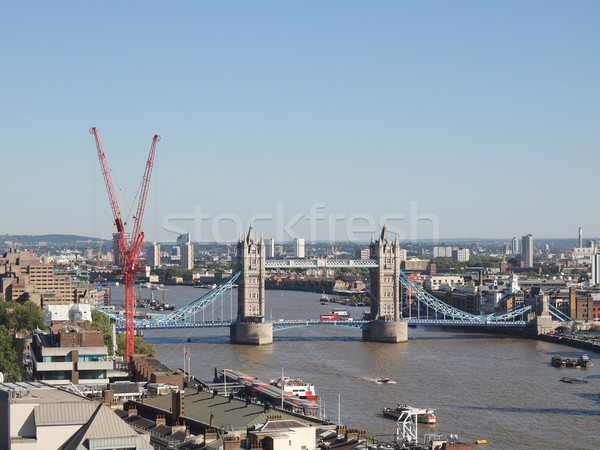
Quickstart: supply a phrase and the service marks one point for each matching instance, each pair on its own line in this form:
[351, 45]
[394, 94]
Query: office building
[187, 256]
[153, 255]
[363, 253]
[300, 248]
[70, 352]
[514, 246]
[270, 248]
[527, 250]
[183, 239]
[24, 278]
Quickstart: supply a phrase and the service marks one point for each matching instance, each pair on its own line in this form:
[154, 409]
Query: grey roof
[125, 388]
[106, 428]
[282, 424]
[39, 392]
[63, 413]
[200, 405]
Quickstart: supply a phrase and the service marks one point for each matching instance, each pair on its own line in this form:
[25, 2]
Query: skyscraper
[514, 246]
[300, 248]
[153, 255]
[595, 268]
[270, 248]
[187, 256]
[527, 250]
[580, 237]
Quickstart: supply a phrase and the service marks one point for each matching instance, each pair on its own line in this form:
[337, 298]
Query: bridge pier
[385, 325]
[250, 327]
[251, 333]
[391, 332]
[543, 320]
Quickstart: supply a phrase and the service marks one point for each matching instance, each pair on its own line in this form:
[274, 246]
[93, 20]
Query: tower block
[385, 325]
[250, 327]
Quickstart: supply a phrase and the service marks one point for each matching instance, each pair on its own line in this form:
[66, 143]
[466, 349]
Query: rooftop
[201, 405]
[39, 392]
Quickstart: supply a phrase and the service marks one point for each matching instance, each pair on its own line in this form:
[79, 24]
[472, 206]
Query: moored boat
[295, 386]
[429, 417]
[585, 361]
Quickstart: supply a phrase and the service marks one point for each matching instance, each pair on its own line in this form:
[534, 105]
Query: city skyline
[483, 116]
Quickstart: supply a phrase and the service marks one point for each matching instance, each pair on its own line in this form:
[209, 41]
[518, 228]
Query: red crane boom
[129, 249]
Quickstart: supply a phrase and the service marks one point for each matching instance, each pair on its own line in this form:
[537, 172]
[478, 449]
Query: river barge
[583, 362]
[428, 417]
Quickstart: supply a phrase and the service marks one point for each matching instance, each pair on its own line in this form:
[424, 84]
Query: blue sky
[271, 108]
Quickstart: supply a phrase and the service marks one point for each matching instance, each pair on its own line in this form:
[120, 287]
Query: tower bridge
[386, 323]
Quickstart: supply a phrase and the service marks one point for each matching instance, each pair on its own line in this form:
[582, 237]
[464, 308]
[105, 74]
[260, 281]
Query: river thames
[491, 387]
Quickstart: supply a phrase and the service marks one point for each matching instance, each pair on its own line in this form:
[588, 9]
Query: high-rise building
[187, 256]
[527, 250]
[183, 238]
[580, 237]
[116, 249]
[300, 248]
[461, 254]
[596, 268]
[153, 255]
[270, 248]
[514, 246]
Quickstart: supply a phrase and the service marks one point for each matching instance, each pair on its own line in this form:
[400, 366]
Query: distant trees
[302, 284]
[166, 273]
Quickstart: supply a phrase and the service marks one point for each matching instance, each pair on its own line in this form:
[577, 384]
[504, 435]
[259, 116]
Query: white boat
[295, 386]
[341, 313]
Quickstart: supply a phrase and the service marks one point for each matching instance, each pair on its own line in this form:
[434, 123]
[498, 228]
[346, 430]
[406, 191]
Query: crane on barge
[129, 246]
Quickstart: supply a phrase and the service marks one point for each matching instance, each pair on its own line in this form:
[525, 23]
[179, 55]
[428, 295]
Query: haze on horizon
[482, 118]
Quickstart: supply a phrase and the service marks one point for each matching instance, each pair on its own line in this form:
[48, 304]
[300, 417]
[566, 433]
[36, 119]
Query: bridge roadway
[319, 263]
[284, 324]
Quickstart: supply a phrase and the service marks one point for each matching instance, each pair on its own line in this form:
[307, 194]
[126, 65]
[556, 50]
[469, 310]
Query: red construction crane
[129, 247]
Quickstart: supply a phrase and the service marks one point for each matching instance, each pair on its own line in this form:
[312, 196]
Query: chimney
[109, 396]
[177, 405]
[132, 412]
[212, 420]
[160, 420]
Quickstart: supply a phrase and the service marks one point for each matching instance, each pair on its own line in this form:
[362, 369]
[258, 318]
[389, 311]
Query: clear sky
[481, 116]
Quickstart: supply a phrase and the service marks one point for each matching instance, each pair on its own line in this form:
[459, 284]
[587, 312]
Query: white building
[514, 246]
[527, 250]
[461, 254]
[153, 255]
[187, 256]
[435, 282]
[596, 269]
[270, 247]
[71, 312]
[300, 248]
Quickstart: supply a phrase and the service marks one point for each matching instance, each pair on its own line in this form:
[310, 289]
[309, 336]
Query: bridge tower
[250, 327]
[385, 325]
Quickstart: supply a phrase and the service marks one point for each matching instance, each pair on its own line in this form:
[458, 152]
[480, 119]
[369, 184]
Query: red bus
[329, 317]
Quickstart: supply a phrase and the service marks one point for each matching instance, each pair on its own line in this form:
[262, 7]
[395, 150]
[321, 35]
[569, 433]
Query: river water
[491, 387]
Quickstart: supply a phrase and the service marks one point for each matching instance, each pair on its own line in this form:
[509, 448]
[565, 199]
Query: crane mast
[128, 248]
